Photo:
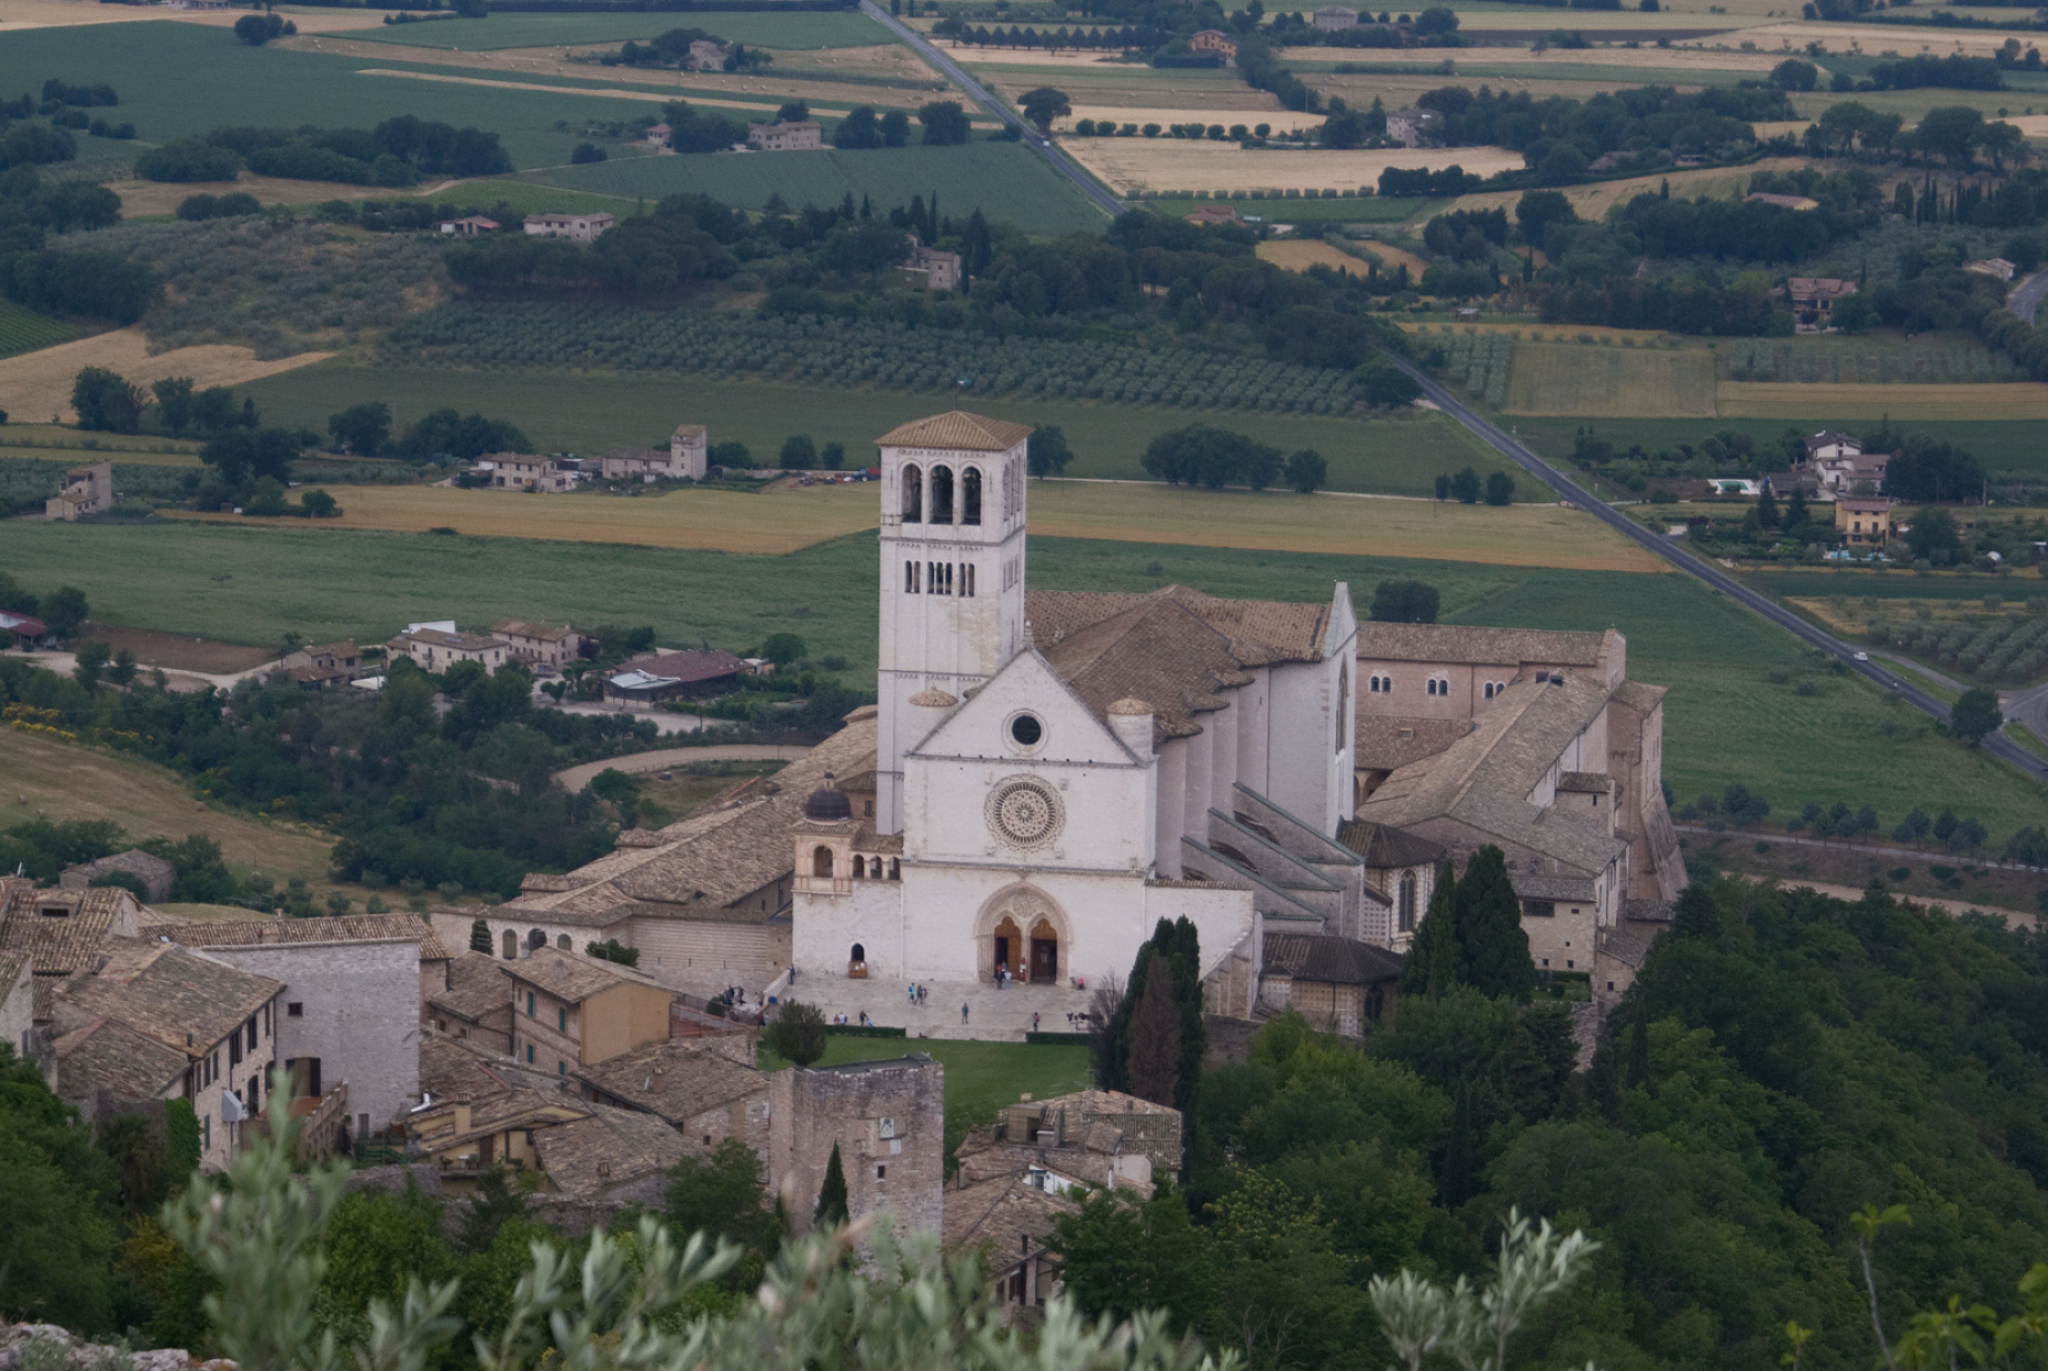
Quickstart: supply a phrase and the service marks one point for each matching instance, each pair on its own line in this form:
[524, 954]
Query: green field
[2000, 444]
[1884, 357]
[801, 31]
[591, 412]
[981, 1077]
[1006, 181]
[171, 78]
[1726, 718]
[1572, 378]
[24, 330]
[530, 197]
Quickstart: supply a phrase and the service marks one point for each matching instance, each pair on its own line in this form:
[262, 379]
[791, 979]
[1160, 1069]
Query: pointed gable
[1074, 729]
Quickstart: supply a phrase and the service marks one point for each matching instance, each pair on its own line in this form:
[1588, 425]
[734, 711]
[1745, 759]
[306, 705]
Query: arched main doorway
[1024, 929]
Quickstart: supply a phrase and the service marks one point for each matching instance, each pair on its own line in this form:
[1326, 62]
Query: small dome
[1128, 705]
[934, 698]
[828, 804]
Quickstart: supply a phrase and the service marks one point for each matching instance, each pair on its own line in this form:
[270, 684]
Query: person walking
[963, 1012]
[1034, 1021]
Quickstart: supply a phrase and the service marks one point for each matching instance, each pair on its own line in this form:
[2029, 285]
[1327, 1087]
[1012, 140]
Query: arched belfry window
[821, 861]
[913, 495]
[942, 495]
[970, 496]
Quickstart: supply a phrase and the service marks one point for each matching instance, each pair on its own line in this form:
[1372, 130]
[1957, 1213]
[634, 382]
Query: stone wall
[888, 1119]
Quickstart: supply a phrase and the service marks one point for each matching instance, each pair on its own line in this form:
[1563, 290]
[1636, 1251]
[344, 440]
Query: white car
[1863, 656]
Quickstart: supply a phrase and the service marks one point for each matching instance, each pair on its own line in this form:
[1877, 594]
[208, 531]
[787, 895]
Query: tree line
[399, 152]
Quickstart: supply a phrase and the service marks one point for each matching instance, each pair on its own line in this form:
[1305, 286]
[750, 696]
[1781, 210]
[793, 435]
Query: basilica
[1047, 774]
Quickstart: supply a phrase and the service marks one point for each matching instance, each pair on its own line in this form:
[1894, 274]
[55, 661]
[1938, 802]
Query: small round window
[1025, 730]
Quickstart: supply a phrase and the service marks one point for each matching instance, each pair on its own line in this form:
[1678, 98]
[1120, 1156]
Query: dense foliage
[1783, 1060]
[468, 797]
[401, 151]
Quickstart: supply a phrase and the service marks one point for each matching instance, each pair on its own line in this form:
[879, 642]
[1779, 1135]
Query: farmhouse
[436, 647]
[1211, 214]
[1829, 443]
[518, 471]
[324, 665]
[25, 629]
[708, 54]
[1864, 520]
[941, 270]
[469, 226]
[1335, 17]
[1218, 42]
[1997, 268]
[1813, 299]
[154, 874]
[687, 458]
[577, 228]
[549, 646]
[658, 137]
[803, 136]
[655, 677]
[86, 491]
[1409, 127]
[1851, 473]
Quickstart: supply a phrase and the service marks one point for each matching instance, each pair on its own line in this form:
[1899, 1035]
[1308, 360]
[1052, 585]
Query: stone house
[658, 137]
[941, 270]
[691, 1085]
[708, 55]
[153, 1021]
[687, 458]
[803, 136]
[519, 471]
[1205, 215]
[572, 1011]
[1864, 520]
[436, 647]
[610, 1156]
[1849, 473]
[353, 990]
[325, 665]
[156, 875]
[1218, 42]
[1333, 18]
[1830, 443]
[1813, 300]
[657, 676]
[62, 931]
[86, 491]
[577, 228]
[1412, 127]
[1009, 1221]
[544, 645]
[469, 226]
[887, 1118]
[479, 1130]
[476, 1003]
[1339, 985]
[1100, 1138]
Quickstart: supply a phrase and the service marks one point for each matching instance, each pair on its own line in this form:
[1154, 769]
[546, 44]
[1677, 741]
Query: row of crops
[832, 351]
[1479, 362]
[1945, 361]
[24, 330]
[1994, 649]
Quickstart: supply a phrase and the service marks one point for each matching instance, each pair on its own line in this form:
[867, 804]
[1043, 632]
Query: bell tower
[952, 586]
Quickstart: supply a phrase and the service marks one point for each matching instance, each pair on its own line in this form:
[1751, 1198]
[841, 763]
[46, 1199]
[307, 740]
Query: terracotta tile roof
[1460, 643]
[704, 863]
[1484, 779]
[1382, 846]
[452, 1070]
[1638, 696]
[1008, 1216]
[956, 429]
[1380, 743]
[521, 1107]
[688, 666]
[60, 944]
[1262, 630]
[569, 976]
[345, 928]
[547, 633]
[1328, 960]
[107, 1054]
[675, 1078]
[608, 1147]
[178, 999]
[477, 985]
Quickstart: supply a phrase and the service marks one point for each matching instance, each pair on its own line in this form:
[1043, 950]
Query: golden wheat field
[1611, 382]
[36, 384]
[1130, 165]
[1906, 400]
[1299, 254]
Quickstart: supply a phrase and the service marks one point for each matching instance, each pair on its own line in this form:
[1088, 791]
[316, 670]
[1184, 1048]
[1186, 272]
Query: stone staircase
[992, 1015]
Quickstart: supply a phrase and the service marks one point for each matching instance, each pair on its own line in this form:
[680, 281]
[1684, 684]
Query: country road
[2025, 299]
[1045, 147]
[1569, 490]
[633, 763]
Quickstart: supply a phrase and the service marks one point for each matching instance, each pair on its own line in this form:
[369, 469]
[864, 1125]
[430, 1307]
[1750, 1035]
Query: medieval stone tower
[952, 577]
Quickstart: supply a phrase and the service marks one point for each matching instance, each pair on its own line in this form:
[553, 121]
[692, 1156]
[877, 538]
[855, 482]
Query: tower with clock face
[952, 577]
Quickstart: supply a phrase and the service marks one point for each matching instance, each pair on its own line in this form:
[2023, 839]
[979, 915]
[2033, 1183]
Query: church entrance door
[1045, 954]
[1009, 948]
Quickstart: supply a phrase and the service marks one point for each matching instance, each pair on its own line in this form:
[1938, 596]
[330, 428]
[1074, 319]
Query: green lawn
[2000, 444]
[981, 1077]
[1726, 718]
[591, 412]
[802, 30]
[1006, 181]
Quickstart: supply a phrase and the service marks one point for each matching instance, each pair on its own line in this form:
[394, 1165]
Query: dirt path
[2014, 918]
[577, 777]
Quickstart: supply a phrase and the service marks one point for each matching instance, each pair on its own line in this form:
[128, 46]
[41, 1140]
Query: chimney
[461, 1119]
[1131, 721]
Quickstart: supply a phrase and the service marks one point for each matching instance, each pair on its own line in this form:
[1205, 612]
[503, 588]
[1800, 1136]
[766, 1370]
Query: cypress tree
[1435, 961]
[1489, 922]
[1638, 1073]
[1184, 949]
[480, 937]
[831, 1210]
[1152, 1069]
